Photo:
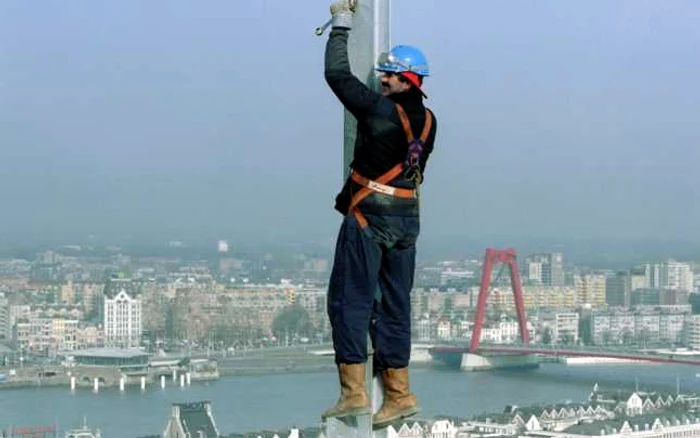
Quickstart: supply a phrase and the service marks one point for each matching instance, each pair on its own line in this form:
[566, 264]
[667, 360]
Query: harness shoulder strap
[406, 122]
[428, 126]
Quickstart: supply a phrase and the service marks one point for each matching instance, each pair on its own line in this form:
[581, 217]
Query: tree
[292, 320]
[644, 336]
[547, 336]
[627, 336]
[567, 339]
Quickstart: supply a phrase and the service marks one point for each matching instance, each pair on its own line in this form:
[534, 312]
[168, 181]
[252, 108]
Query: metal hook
[322, 28]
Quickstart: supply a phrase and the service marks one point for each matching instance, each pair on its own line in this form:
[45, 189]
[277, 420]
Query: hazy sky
[183, 119]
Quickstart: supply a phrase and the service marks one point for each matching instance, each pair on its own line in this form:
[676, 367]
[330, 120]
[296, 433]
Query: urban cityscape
[102, 319]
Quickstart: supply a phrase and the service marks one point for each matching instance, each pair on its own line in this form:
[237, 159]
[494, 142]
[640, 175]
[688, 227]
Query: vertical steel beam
[369, 37]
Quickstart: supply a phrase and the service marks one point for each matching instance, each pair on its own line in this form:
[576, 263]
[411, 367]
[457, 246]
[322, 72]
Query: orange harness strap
[366, 191]
[379, 185]
[407, 124]
[415, 147]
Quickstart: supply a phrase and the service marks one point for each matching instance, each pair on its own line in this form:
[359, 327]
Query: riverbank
[240, 366]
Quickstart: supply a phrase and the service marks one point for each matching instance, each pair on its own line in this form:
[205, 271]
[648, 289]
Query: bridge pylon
[491, 259]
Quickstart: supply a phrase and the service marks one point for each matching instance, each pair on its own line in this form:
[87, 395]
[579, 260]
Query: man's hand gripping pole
[322, 28]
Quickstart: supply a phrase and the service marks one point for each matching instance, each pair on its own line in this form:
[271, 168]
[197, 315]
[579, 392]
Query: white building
[566, 328]
[424, 329]
[45, 336]
[533, 272]
[671, 275]
[693, 338]
[505, 331]
[659, 324]
[672, 327]
[5, 327]
[444, 329]
[122, 320]
[677, 276]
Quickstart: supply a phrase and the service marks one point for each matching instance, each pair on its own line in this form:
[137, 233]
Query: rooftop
[196, 421]
[640, 421]
[108, 352]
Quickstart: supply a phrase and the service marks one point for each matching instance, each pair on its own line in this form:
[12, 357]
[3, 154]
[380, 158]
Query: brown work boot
[353, 393]
[399, 402]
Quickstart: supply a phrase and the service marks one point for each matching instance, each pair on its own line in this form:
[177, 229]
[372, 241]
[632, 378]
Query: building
[591, 289]
[672, 327]
[566, 328]
[191, 420]
[649, 325]
[645, 297]
[505, 331]
[693, 338]
[670, 275]
[618, 289]
[5, 326]
[45, 336]
[124, 359]
[550, 267]
[262, 303]
[534, 298]
[612, 414]
[424, 329]
[533, 272]
[638, 279]
[122, 315]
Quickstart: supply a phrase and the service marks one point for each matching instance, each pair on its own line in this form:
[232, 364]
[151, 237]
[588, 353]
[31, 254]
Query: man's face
[393, 83]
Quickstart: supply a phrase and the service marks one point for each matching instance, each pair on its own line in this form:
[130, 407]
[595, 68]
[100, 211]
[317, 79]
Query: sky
[181, 120]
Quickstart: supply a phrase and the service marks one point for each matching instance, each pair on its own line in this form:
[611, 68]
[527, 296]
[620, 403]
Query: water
[247, 403]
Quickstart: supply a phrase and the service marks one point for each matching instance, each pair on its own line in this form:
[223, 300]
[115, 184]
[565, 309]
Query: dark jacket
[381, 140]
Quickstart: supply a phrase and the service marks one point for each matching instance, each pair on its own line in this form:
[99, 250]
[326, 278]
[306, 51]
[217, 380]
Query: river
[281, 401]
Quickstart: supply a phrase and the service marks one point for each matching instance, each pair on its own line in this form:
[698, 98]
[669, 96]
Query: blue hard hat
[403, 59]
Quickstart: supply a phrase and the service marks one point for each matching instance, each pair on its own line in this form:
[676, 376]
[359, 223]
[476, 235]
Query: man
[375, 250]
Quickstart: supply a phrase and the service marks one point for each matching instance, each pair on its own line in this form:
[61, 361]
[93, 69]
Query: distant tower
[223, 246]
[122, 313]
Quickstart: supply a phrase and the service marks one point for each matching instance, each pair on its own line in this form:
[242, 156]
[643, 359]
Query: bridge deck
[574, 352]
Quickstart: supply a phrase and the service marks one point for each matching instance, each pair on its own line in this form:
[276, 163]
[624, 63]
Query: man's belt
[382, 188]
[379, 186]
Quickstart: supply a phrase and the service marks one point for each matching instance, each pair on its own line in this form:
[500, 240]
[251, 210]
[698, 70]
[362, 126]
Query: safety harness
[411, 167]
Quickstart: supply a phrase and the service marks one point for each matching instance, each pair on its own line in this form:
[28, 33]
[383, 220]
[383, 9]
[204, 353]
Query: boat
[83, 432]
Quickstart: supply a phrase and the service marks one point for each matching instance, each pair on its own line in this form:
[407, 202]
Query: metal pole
[370, 36]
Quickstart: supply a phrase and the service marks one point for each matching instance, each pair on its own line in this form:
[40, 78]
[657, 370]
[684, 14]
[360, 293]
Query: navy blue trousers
[369, 290]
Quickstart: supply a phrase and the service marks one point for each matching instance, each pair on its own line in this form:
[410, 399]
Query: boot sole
[351, 413]
[399, 416]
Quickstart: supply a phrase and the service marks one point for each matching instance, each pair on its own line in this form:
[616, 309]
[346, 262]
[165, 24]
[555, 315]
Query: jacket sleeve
[357, 98]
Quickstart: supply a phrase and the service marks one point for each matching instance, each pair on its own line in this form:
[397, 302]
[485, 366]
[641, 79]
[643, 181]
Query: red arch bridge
[479, 356]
